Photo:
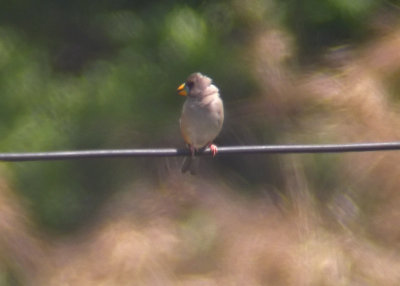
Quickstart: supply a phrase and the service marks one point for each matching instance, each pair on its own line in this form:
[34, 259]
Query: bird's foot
[192, 150]
[213, 148]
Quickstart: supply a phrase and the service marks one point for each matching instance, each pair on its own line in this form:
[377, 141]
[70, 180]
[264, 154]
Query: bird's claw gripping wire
[213, 149]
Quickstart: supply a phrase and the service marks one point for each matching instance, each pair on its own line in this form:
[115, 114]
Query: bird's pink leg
[213, 148]
[192, 150]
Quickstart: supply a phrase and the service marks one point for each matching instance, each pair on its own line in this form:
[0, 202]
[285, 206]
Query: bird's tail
[190, 163]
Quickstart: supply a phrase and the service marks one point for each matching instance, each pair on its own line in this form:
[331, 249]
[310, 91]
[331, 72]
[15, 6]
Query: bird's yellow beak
[182, 90]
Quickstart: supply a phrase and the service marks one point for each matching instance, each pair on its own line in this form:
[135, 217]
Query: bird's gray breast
[204, 119]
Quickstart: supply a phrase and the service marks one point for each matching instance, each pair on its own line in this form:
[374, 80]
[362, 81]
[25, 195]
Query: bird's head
[195, 84]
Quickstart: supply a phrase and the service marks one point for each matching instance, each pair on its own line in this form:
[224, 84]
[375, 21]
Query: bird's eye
[190, 84]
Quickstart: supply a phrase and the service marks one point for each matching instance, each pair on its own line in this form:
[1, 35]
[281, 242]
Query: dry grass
[215, 237]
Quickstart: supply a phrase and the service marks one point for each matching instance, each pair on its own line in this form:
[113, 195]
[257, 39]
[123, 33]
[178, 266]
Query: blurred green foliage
[320, 24]
[103, 74]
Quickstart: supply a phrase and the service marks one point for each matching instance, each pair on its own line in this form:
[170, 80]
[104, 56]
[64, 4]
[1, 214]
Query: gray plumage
[202, 115]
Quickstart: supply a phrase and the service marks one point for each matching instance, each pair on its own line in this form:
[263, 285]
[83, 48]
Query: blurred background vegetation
[103, 74]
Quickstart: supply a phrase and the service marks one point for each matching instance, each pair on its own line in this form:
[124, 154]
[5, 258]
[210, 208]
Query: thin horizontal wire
[232, 150]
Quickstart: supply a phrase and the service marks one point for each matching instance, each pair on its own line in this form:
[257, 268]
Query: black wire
[232, 150]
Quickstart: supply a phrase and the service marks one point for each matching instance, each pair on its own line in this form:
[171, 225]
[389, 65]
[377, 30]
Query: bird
[202, 116]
